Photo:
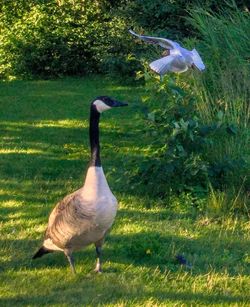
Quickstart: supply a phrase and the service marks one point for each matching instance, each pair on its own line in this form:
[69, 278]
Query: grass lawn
[43, 156]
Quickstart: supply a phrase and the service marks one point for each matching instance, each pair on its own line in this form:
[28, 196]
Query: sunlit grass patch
[21, 151]
[61, 123]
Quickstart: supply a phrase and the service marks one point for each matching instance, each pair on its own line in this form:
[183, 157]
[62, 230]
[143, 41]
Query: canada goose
[176, 59]
[85, 216]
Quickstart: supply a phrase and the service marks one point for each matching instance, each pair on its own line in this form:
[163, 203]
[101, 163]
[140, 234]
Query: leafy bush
[59, 38]
[180, 158]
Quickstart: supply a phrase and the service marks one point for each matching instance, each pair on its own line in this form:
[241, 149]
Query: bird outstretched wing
[163, 42]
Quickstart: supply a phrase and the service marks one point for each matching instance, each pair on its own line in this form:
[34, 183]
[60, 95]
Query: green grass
[43, 156]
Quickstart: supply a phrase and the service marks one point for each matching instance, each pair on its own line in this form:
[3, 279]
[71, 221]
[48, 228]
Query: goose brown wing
[70, 218]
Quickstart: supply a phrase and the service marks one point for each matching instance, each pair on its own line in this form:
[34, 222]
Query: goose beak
[119, 104]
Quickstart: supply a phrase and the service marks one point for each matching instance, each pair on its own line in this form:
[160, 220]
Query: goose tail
[42, 251]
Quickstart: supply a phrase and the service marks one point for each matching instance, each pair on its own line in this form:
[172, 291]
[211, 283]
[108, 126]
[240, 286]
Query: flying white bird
[176, 59]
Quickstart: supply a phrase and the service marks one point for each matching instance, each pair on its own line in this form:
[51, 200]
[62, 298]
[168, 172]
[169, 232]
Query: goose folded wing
[163, 42]
[69, 218]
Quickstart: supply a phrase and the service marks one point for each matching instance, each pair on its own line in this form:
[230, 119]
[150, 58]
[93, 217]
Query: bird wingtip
[132, 32]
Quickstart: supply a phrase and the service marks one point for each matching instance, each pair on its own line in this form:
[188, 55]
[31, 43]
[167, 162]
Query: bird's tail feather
[161, 66]
[42, 251]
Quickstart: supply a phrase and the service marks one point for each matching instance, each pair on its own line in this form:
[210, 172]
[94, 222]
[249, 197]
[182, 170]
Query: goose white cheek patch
[101, 106]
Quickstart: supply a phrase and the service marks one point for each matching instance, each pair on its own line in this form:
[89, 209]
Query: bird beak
[119, 104]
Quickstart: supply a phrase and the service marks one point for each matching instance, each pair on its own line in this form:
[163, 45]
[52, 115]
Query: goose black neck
[94, 137]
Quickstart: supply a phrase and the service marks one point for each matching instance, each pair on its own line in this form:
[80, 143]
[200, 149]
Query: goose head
[104, 103]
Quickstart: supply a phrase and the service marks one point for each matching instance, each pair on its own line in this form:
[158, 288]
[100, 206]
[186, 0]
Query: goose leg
[71, 261]
[98, 268]
[98, 248]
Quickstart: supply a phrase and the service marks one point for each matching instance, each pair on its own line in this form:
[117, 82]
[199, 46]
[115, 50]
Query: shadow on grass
[149, 249]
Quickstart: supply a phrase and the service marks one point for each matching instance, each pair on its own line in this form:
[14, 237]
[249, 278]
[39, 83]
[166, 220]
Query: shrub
[59, 38]
[181, 158]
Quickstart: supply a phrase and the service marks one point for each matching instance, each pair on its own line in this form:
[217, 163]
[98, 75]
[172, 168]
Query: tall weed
[225, 87]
